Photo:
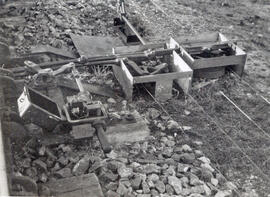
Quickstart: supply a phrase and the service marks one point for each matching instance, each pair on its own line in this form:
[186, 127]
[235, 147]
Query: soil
[237, 147]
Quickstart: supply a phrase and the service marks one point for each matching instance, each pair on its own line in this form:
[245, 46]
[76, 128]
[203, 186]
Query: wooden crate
[214, 66]
[180, 72]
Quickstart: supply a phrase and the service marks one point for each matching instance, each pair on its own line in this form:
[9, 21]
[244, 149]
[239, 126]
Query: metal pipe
[134, 30]
[4, 189]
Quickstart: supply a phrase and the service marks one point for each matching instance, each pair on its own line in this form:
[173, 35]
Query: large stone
[151, 168]
[194, 180]
[154, 193]
[169, 189]
[187, 158]
[176, 184]
[40, 165]
[125, 172]
[186, 148]
[223, 194]
[182, 168]
[207, 166]
[136, 182]
[204, 160]
[111, 186]
[81, 166]
[160, 186]
[206, 175]
[63, 173]
[153, 177]
[153, 113]
[199, 189]
[145, 187]
[122, 190]
[167, 152]
[111, 193]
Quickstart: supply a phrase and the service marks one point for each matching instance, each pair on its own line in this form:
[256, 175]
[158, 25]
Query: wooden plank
[216, 62]
[125, 82]
[76, 185]
[179, 65]
[137, 48]
[154, 78]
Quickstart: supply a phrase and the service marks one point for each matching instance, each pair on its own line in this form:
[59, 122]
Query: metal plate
[95, 46]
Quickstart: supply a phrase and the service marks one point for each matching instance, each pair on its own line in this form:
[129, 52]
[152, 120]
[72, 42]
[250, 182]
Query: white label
[23, 103]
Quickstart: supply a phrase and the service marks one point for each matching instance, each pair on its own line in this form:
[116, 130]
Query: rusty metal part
[100, 127]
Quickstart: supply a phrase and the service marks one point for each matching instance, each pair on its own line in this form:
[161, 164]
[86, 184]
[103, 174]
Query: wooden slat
[136, 48]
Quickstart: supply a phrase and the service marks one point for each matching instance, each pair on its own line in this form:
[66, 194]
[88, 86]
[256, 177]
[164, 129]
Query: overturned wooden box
[209, 54]
[179, 72]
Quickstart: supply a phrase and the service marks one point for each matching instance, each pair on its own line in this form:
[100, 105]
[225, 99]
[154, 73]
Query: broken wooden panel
[124, 78]
[95, 46]
[85, 185]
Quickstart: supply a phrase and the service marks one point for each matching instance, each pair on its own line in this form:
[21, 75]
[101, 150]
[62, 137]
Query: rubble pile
[158, 166]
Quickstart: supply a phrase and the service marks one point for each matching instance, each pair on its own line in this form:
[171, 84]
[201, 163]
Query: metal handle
[106, 147]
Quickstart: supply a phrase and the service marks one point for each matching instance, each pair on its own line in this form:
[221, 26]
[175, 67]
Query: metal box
[39, 109]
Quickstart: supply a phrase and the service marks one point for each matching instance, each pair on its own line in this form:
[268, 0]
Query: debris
[81, 166]
[176, 184]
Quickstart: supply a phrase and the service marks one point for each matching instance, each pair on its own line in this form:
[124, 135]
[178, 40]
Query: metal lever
[99, 126]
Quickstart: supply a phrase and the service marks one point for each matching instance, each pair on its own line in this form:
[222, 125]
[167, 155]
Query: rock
[108, 176]
[65, 148]
[136, 182]
[207, 166]
[114, 165]
[153, 113]
[214, 182]
[26, 163]
[143, 195]
[221, 179]
[164, 139]
[167, 152]
[40, 165]
[176, 184]
[182, 168]
[154, 193]
[153, 177]
[81, 166]
[186, 128]
[170, 171]
[223, 194]
[125, 172]
[185, 181]
[111, 193]
[187, 112]
[169, 189]
[50, 154]
[231, 186]
[151, 168]
[43, 178]
[206, 175]
[63, 173]
[199, 189]
[186, 191]
[195, 195]
[63, 160]
[198, 153]
[172, 125]
[186, 148]
[198, 143]
[170, 143]
[187, 158]
[111, 186]
[176, 157]
[145, 187]
[111, 101]
[194, 180]
[42, 150]
[160, 186]
[112, 155]
[207, 190]
[122, 190]
[204, 160]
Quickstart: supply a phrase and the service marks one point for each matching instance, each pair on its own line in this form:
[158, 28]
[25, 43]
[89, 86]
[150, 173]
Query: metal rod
[4, 189]
[134, 30]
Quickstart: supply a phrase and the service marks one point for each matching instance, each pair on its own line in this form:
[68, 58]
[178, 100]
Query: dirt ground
[237, 147]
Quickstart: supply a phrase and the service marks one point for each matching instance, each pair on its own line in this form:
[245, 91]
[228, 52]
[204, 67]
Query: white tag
[23, 103]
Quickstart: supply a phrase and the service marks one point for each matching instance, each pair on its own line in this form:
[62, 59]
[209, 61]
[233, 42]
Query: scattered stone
[136, 182]
[151, 168]
[182, 168]
[204, 160]
[186, 148]
[172, 125]
[111, 193]
[199, 189]
[207, 166]
[206, 175]
[194, 180]
[221, 179]
[223, 194]
[112, 155]
[153, 113]
[40, 165]
[231, 186]
[111, 186]
[186, 128]
[185, 181]
[108, 176]
[122, 190]
[160, 186]
[176, 184]
[42, 150]
[81, 166]
[167, 152]
[187, 158]
[63, 160]
[154, 193]
[187, 112]
[145, 187]
[125, 172]
[153, 177]
[63, 173]
[207, 190]
[198, 153]
[43, 178]
[169, 189]
[214, 182]
[186, 191]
